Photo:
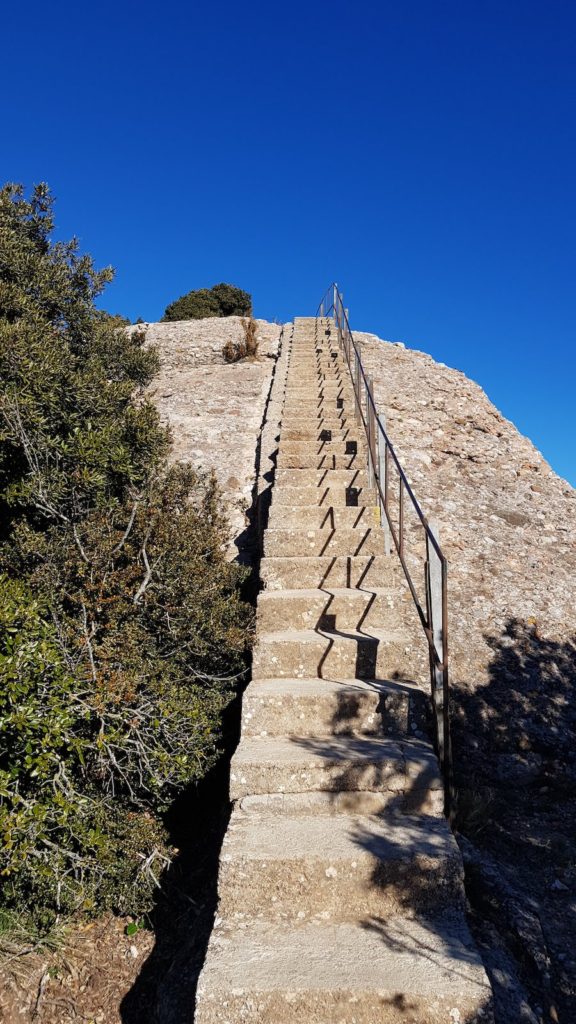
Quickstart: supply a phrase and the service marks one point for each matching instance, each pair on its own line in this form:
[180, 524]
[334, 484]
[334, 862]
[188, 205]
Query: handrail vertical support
[382, 473]
[368, 407]
[357, 386]
[436, 578]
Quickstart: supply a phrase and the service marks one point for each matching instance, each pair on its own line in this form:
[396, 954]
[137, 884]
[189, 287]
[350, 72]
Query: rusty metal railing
[387, 477]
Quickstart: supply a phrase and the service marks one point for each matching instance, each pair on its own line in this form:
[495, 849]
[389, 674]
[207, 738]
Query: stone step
[393, 971]
[324, 517]
[272, 764]
[364, 540]
[320, 382]
[303, 460]
[307, 371]
[336, 608]
[337, 868]
[298, 571]
[316, 406]
[324, 707]
[298, 476]
[321, 497]
[347, 802]
[312, 432]
[337, 420]
[327, 654]
[323, 449]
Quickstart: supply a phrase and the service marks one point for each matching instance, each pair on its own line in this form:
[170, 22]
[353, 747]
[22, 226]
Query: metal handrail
[433, 614]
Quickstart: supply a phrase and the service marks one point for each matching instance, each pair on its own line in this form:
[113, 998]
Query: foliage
[122, 631]
[221, 300]
[234, 351]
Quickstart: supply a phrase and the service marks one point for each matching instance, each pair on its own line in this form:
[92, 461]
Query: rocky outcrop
[507, 521]
[215, 409]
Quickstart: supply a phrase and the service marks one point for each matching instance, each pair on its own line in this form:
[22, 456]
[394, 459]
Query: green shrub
[221, 300]
[122, 631]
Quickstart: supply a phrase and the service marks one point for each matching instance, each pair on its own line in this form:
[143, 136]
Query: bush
[221, 300]
[122, 631]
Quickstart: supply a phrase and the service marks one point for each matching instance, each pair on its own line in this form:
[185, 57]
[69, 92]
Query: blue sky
[422, 154]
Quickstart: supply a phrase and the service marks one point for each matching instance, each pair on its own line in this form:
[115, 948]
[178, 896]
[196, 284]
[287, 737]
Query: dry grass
[247, 348]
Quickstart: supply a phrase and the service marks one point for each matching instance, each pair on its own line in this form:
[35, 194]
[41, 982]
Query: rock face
[215, 409]
[507, 521]
[508, 527]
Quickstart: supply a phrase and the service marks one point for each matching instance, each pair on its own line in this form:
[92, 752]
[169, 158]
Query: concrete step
[310, 460]
[312, 432]
[325, 517]
[337, 868]
[323, 449]
[337, 420]
[322, 376]
[364, 540]
[347, 802]
[284, 496]
[336, 608]
[299, 571]
[393, 971]
[272, 764]
[312, 407]
[324, 707]
[327, 654]
[299, 476]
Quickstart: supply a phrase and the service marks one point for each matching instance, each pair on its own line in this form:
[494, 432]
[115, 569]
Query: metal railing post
[370, 428]
[437, 611]
[383, 491]
[357, 391]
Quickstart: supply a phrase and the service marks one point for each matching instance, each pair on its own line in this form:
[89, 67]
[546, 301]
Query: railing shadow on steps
[387, 477]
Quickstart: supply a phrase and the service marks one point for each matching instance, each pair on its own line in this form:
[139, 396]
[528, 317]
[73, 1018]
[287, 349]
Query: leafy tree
[122, 631]
[221, 300]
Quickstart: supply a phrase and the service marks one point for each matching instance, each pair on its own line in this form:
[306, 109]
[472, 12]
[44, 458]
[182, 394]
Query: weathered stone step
[336, 608]
[340, 868]
[315, 407]
[394, 971]
[346, 802]
[299, 571]
[312, 432]
[323, 653]
[324, 707]
[364, 540]
[271, 764]
[322, 497]
[298, 476]
[311, 460]
[338, 419]
[324, 449]
[325, 517]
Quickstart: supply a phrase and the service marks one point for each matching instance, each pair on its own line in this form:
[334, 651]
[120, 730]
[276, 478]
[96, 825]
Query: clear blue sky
[422, 154]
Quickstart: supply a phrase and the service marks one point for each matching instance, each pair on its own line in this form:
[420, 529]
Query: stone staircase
[341, 886]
